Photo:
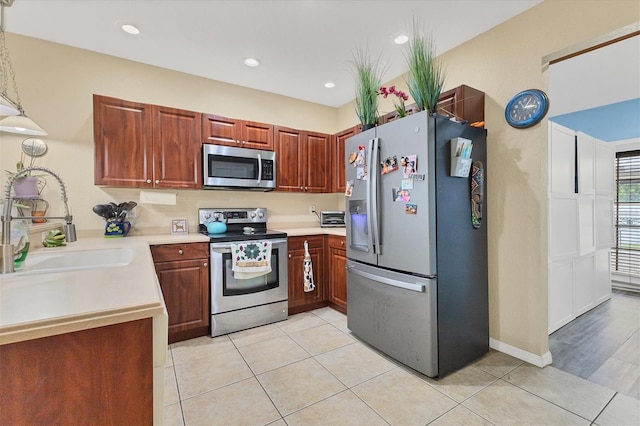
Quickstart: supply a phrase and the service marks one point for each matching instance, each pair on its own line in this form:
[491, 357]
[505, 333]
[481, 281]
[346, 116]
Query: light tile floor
[310, 370]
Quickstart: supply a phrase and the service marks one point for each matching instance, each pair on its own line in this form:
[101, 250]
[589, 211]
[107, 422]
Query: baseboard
[537, 360]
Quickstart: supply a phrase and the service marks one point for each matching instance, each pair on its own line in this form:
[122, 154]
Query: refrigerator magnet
[348, 188]
[416, 176]
[395, 194]
[406, 184]
[352, 157]
[360, 157]
[409, 164]
[389, 165]
[361, 173]
[411, 209]
[402, 195]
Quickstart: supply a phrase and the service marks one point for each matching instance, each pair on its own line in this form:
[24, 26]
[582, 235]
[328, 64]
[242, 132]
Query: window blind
[625, 257]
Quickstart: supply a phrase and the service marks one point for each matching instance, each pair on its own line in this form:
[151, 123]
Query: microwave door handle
[259, 168]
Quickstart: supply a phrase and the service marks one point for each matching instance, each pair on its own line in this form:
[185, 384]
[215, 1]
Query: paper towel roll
[154, 197]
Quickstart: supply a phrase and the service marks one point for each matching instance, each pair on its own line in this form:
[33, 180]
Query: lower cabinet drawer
[183, 251]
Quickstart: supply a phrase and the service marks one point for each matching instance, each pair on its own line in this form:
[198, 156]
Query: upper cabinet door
[239, 133]
[257, 135]
[176, 147]
[317, 170]
[289, 157]
[221, 130]
[123, 142]
[338, 182]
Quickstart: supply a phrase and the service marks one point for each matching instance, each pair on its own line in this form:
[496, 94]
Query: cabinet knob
[289, 256]
[302, 188]
[157, 181]
[238, 142]
[306, 188]
[205, 264]
[180, 251]
[148, 180]
[341, 243]
[243, 142]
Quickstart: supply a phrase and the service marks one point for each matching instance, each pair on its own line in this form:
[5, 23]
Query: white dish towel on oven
[250, 259]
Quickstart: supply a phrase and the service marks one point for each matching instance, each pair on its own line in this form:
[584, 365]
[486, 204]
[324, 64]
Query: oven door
[228, 293]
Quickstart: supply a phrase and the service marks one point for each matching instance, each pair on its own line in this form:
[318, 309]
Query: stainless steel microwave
[227, 167]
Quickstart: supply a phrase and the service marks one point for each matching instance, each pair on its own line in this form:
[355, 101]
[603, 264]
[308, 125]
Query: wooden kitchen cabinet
[393, 115]
[99, 376]
[183, 272]
[299, 301]
[145, 146]
[338, 180]
[463, 103]
[220, 130]
[302, 160]
[336, 264]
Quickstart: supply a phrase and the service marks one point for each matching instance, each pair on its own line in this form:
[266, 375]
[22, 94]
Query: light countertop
[296, 232]
[40, 305]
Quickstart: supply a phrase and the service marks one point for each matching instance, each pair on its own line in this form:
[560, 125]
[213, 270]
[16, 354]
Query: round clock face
[526, 108]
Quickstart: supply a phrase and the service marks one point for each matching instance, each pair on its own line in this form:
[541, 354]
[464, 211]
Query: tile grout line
[603, 408]
[550, 402]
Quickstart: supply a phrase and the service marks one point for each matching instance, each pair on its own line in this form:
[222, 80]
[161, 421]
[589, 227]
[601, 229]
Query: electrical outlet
[312, 209]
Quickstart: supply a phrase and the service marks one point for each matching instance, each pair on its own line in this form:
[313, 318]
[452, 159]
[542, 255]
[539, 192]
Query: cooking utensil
[99, 209]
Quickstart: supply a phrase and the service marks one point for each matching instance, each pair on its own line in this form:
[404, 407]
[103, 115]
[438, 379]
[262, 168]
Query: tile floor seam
[551, 402]
[370, 407]
[604, 408]
[284, 365]
[495, 379]
[270, 399]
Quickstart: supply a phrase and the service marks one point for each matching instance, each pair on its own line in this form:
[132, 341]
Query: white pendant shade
[7, 107]
[21, 125]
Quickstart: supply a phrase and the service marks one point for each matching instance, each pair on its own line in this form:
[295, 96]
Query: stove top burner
[237, 221]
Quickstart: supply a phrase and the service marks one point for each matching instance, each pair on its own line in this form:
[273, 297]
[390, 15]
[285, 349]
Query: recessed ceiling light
[251, 62]
[400, 38]
[131, 29]
[329, 85]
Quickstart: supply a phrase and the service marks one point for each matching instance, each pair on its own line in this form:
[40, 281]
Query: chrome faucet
[6, 259]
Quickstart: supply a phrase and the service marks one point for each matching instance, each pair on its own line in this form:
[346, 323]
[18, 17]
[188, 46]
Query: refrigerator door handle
[370, 237]
[373, 193]
[418, 287]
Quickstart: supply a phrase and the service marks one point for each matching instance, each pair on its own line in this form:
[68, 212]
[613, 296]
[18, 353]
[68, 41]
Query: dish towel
[251, 259]
[307, 266]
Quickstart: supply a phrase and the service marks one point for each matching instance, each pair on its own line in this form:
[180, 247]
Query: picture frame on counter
[179, 227]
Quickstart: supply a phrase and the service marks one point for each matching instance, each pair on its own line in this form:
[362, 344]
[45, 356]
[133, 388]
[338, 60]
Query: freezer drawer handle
[395, 283]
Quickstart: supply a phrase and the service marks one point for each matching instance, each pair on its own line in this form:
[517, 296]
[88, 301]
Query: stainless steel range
[248, 269]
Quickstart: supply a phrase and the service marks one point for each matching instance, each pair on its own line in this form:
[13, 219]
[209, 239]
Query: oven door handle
[221, 250]
[226, 247]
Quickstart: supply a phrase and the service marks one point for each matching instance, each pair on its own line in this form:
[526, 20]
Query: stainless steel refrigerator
[417, 268]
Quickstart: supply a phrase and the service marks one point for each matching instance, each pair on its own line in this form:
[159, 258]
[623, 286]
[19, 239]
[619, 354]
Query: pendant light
[17, 121]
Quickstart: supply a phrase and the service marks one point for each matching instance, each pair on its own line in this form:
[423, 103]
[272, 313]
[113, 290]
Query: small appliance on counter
[332, 220]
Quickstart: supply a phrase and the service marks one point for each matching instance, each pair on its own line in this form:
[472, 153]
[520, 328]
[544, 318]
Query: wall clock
[526, 108]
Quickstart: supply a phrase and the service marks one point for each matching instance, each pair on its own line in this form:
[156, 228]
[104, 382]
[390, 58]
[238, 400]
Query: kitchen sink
[63, 261]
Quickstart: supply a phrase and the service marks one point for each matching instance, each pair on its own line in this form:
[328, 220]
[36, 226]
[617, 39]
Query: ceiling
[301, 43]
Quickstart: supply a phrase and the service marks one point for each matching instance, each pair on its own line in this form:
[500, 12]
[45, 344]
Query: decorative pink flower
[400, 108]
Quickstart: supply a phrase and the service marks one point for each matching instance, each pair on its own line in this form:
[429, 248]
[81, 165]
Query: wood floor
[603, 345]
